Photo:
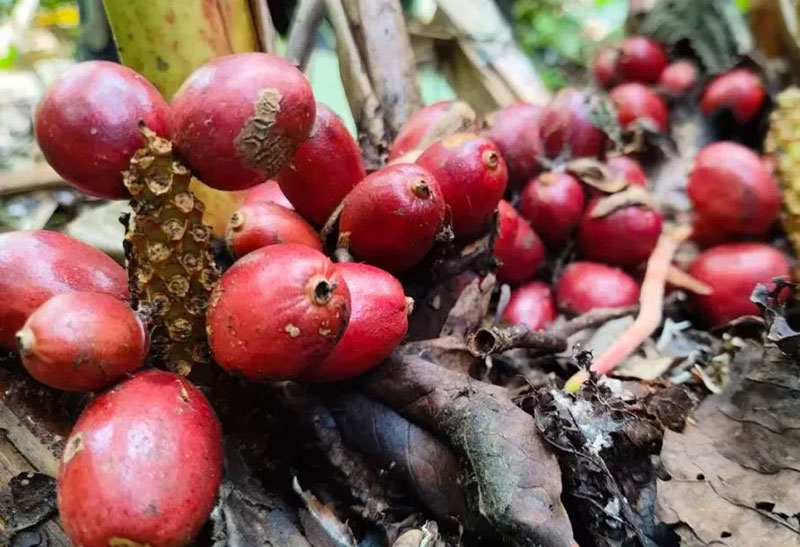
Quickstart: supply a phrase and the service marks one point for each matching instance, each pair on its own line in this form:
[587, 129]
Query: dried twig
[303, 32]
[493, 340]
[264, 26]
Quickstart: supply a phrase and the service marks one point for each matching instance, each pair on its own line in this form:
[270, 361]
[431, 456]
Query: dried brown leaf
[596, 174]
[320, 524]
[632, 195]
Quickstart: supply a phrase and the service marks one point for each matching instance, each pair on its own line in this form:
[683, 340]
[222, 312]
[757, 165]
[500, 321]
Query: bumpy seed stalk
[167, 247]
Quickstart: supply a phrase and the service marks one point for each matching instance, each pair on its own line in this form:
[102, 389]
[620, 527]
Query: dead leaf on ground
[320, 524]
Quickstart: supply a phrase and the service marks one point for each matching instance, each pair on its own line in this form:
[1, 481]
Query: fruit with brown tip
[260, 224]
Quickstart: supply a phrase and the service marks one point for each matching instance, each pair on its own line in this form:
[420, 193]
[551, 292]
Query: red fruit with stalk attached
[324, 169]
[142, 465]
[260, 224]
[624, 168]
[733, 270]
[378, 323]
[82, 341]
[585, 286]
[641, 60]
[517, 248]
[87, 124]
[277, 312]
[267, 192]
[391, 218]
[36, 265]
[238, 119]
[637, 104]
[733, 190]
[566, 128]
[678, 78]
[472, 175]
[531, 305]
[740, 91]
[604, 67]
[553, 203]
[515, 131]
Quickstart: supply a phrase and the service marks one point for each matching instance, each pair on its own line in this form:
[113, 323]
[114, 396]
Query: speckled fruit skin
[238, 119]
[733, 190]
[417, 126]
[641, 60]
[624, 238]
[261, 224]
[392, 217]
[585, 286]
[268, 192]
[143, 464]
[515, 131]
[678, 78]
[87, 124]
[518, 249]
[82, 341]
[733, 270]
[628, 170]
[37, 264]
[637, 103]
[553, 203]
[324, 169]
[565, 127]
[473, 177]
[531, 305]
[740, 90]
[277, 312]
[604, 67]
[378, 323]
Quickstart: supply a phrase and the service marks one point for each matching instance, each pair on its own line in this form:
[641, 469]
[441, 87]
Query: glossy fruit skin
[82, 341]
[515, 131]
[733, 270]
[628, 170]
[531, 305]
[324, 169]
[641, 60]
[87, 124]
[518, 249]
[636, 103]
[238, 119]
[277, 312]
[733, 190]
[143, 463]
[391, 218]
[553, 203]
[38, 264]
[624, 238]
[417, 126]
[679, 77]
[566, 128]
[739, 90]
[269, 192]
[260, 224]
[604, 67]
[473, 177]
[378, 323]
[585, 286]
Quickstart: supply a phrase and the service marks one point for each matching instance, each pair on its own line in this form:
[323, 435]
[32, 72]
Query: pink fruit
[565, 127]
[553, 203]
[624, 168]
[418, 126]
[238, 119]
[87, 124]
[641, 60]
[531, 305]
[679, 77]
[517, 248]
[142, 466]
[625, 237]
[472, 175]
[605, 67]
[260, 224]
[740, 91]
[515, 131]
[268, 192]
[585, 286]
[277, 312]
[636, 104]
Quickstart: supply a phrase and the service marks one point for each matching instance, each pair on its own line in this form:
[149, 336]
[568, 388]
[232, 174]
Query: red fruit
[605, 67]
[261, 224]
[733, 270]
[472, 175]
[733, 190]
[515, 131]
[418, 126]
[238, 119]
[622, 167]
[324, 169]
[268, 192]
[636, 103]
[585, 286]
[679, 77]
[625, 237]
[566, 128]
[532, 305]
[378, 323]
[82, 341]
[87, 124]
[553, 203]
[392, 217]
[641, 60]
[517, 248]
[740, 90]
[277, 312]
[36, 265]
[142, 466]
